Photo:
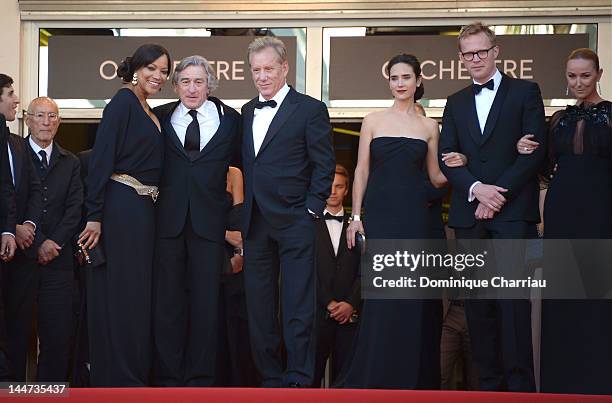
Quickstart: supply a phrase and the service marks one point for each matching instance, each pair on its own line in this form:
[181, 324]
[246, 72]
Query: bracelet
[238, 251]
[355, 217]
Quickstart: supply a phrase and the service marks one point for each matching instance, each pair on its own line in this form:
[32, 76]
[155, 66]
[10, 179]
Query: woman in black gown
[128, 141]
[576, 352]
[398, 342]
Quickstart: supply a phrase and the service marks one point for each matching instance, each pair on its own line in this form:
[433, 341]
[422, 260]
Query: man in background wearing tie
[201, 136]
[338, 282]
[289, 163]
[62, 198]
[494, 196]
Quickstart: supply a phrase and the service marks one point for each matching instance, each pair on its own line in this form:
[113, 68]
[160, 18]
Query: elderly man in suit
[201, 137]
[494, 196]
[62, 198]
[289, 163]
[338, 282]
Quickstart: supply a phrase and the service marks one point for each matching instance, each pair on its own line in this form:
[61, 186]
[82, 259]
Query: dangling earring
[134, 79]
[599, 88]
[566, 91]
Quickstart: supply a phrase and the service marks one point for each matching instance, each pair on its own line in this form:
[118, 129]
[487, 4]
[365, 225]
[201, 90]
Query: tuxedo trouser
[185, 306]
[50, 289]
[288, 252]
[333, 340]
[5, 367]
[500, 330]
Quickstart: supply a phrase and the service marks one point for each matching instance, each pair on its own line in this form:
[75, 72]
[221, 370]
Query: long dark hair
[143, 56]
[416, 67]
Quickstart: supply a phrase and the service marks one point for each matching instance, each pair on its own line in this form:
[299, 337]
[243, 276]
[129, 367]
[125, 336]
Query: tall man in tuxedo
[494, 196]
[201, 136]
[338, 282]
[62, 199]
[22, 271]
[8, 110]
[289, 163]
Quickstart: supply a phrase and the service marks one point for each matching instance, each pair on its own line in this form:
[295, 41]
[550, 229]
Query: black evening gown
[398, 342]
[119, 292]
[576, 352]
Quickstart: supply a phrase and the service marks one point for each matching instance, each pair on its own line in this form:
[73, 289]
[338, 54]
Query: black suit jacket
[492, 157]
[295, 166]
[62, 200]
[7, 191]
[337, 275]
[27, 184]
[196, 186]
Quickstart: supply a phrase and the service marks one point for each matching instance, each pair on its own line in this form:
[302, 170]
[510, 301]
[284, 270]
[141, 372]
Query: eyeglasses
[41, 116]
[482, 54]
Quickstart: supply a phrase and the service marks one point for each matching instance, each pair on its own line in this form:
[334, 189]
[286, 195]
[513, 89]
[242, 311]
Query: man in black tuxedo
[201, 137]
[8, 109]
[62, 198]
[289, 162]
[22, 271]
[338, 282]
[495, 196]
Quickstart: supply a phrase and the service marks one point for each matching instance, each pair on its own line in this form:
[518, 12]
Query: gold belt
[135, 184]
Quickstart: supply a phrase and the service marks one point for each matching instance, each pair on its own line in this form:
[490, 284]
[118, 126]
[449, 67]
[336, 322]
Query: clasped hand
[353, 228]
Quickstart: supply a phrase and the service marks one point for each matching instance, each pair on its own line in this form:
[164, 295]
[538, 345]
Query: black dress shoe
[294, 385]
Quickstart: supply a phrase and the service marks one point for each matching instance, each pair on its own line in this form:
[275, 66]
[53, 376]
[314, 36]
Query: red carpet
[245, 395]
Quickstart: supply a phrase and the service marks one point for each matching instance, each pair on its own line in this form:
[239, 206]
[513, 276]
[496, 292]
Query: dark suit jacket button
[483, 160]
[45, 211]
[45, 188]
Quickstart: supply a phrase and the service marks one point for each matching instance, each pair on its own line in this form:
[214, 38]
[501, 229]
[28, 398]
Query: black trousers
[500, 330]
[51, 289]
[5, 367]
[288, 253]
[333, 340]
[185, 303]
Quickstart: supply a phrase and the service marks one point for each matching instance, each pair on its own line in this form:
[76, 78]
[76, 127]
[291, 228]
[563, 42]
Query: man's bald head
[43, 120]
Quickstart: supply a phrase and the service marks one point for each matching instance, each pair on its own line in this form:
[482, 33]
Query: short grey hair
[263, 42]
[197, 60]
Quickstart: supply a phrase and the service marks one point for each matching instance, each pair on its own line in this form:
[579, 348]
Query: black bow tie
[338, 218]
[271, 103]
[478, 87]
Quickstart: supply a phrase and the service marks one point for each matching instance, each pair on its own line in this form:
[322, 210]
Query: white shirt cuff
[30, 222]
[9, 233]
[471, 196]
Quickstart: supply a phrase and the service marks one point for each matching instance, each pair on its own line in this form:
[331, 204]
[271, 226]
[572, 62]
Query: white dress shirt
[207, 116]
[37, 149]
[484, 101]
[334, 228]
[263, 117]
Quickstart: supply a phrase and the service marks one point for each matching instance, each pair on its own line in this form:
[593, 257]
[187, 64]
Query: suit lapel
[248, 113]
[472, 115]
[496, 108]
[55, 155]
[17, 156]
[169, 130]
[225, 125]
[285, 110]
[341, 248]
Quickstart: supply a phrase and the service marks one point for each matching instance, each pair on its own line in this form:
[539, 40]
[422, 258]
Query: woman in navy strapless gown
[398, 342]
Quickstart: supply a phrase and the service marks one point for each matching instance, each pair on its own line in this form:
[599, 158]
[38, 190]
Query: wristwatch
[238, 251]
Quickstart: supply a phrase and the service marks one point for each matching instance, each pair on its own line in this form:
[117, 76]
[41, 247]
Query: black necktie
[478, 87]
[192, 135]
[338, 218]
[43, 158]
[271, 103]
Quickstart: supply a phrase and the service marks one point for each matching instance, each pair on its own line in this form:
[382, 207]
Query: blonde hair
[474, 29]
[263, 42]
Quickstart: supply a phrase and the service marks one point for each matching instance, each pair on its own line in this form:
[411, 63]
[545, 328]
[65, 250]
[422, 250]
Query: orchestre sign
[357, 64]
[85, 67]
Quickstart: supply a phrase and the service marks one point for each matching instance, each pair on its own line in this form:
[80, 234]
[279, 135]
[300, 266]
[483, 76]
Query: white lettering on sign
[103, 66]
[455, 70]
